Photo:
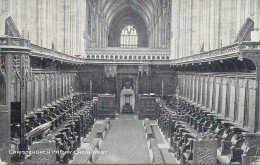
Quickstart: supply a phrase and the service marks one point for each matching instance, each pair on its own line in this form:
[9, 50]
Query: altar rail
[233, 95]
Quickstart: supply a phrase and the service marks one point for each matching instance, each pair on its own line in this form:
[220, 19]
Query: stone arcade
[129, 81]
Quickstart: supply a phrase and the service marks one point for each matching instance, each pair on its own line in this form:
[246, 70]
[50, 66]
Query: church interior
[129, 81]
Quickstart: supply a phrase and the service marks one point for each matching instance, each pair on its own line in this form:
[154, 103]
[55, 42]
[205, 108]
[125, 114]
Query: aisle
[125, 143]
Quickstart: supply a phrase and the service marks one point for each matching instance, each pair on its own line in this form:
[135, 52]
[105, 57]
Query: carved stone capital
[47, 76]
[218, 80]
[206, 78]
[242, 83]
[252, 84]
[36, 78]
[233, 81]
[211, 79]
[194, 77]
[42, 76]
[224, 81]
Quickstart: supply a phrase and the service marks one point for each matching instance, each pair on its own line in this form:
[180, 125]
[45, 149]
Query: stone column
[66, 26]
[78, 26]
[60, 37]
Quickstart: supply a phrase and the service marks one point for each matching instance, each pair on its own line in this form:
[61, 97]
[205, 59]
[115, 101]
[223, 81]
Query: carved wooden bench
[156, 156]
[103, 129]
[85, 155]
[148, 130]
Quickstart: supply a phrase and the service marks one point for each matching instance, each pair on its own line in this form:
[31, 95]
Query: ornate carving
[44, 152]
[144, 69]
[119, 54]
[110, 70]
[16, 66]
[233, 81]
[36, 78]
[224, 81]
[26, 68]
[206, 78]
[47, 76]
[211, 79]
[3, 65]
[205, 152]
[242, 83]
[11, 29]
[218, 80]
[245, 30]
[252, 84]
[21, 68]
[42, 76]
[255, 57]
[30, 74]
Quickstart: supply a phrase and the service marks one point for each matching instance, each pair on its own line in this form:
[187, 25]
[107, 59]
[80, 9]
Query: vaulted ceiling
[148, 16]
[147, 9]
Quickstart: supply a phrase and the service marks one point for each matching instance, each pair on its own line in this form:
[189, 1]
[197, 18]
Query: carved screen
[205, 152]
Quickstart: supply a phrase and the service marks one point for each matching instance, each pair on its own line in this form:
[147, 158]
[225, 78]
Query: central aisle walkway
[125, 143]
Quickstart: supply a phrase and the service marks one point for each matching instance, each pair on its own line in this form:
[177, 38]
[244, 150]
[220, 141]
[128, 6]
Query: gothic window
[129, 37]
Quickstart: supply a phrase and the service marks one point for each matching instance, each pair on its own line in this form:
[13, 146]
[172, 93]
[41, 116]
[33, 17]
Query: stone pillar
[66, 25]
[78, 25]
[189, 27]
[174, 29]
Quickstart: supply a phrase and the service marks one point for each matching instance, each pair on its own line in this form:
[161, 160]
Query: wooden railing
[132, 55]
[55, 55]
[14, 41]
[226, 52]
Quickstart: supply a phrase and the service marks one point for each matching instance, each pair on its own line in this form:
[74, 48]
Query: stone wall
[53, 24]
[203, 25]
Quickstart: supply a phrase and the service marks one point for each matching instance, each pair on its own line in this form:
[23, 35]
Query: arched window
[129, 37]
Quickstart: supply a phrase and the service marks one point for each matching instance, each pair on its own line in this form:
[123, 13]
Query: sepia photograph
[129, 82]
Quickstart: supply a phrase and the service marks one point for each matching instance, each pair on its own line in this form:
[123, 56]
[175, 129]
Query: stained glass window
[129, 37]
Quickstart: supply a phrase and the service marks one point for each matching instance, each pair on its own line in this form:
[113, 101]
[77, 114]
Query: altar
[127, 100]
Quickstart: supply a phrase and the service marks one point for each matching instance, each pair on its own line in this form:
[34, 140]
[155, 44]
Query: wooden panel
[223, 96]
[241, 100]
[252, 99]
[211, 79]
[217, 97]
[251, 108]
[147, 108]
[232, 100]
[16, 112]
[106, 106]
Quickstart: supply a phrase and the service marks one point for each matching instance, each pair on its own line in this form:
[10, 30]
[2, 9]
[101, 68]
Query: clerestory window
[129, 37]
